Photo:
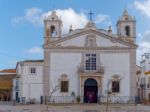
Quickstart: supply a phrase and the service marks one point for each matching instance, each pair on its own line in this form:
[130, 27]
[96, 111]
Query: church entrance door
[90, 91]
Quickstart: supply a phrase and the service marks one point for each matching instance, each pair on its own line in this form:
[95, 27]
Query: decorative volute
[53, 16]
[126, 16]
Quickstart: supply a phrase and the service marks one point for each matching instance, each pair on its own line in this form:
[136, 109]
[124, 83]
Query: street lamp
[108, 92]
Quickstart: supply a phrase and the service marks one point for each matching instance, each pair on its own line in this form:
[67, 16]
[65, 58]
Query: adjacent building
[145, 77]
[6, 84]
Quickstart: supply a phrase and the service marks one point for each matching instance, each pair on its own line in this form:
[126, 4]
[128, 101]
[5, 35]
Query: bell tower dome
[126, 27]
[52, 27]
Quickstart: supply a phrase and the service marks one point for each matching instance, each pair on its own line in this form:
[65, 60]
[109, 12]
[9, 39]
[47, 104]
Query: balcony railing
[84, 69]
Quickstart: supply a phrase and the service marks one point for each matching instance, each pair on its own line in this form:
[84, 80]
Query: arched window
[148, 82]
[127, 30]
[115, 84]
[64, 83]
[53, 31]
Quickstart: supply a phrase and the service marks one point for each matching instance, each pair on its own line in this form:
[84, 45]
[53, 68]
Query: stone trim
[46, 74]
[116, 77]
[33, 64]
[98, 50]
[92, 31]
[86, 47]
[133, 89]
[84, 78]
[64, 77]
[90, 37]
[83, 60]
[91, 74]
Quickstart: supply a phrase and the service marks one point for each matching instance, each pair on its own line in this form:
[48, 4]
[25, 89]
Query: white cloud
[18, 20]
[69, 17]
[146, 36]
[34, 50]
[143, 39]
[143, 6]
[102, 18]
[144, 47]
[139, 35]
[144, 44]
[32, 15]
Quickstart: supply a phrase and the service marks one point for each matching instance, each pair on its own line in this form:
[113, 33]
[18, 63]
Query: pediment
[100, 39]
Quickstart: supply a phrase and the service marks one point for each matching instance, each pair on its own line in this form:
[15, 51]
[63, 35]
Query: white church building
[86, 62]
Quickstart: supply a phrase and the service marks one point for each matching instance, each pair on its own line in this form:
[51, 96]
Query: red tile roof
[8, 71]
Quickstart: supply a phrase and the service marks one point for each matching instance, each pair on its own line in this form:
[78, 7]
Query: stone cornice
[90, 48]
[88, 75]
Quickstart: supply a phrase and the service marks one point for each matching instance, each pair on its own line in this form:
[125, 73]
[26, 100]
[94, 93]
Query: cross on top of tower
[90, 15]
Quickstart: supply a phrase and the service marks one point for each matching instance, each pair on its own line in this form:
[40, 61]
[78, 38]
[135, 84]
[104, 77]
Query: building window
[148, 83]
[17, 85]
[64, 86]
[32, 70]
[143, 83]
[127, 29]
[90, 61]
[115, 86]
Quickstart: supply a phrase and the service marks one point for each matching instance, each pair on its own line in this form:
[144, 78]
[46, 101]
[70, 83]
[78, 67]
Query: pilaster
[133, 73]
[46, 73]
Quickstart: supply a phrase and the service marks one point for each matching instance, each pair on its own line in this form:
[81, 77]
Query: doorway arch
[90, 91]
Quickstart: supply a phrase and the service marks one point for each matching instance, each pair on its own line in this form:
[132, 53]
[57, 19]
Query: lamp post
[108, 92]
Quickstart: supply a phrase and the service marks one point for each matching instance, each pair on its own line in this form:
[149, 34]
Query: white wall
[104, 42]
[67, 63]
[31, 85]
[114, 63]
[117, 63]
[100, 41]
[78, 41]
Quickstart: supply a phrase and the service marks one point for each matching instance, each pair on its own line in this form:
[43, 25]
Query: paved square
[73, 108]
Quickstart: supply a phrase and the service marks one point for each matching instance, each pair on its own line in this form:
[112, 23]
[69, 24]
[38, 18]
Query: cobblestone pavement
[73, 108]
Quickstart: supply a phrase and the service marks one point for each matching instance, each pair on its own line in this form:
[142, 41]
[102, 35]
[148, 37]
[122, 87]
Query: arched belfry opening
[90, 91]
[127, 30]
[53, 31]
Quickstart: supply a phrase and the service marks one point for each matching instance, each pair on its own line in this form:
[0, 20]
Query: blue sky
[21, 27]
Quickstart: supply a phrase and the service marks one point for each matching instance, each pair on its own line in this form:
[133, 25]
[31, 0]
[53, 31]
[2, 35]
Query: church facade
[88, 62]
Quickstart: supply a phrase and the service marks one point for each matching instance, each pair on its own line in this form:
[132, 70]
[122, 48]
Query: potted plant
[78, 99]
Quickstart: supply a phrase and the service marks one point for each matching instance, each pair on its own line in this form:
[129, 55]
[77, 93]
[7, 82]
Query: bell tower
[126, 27]
[52, 31]
[52, 27]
